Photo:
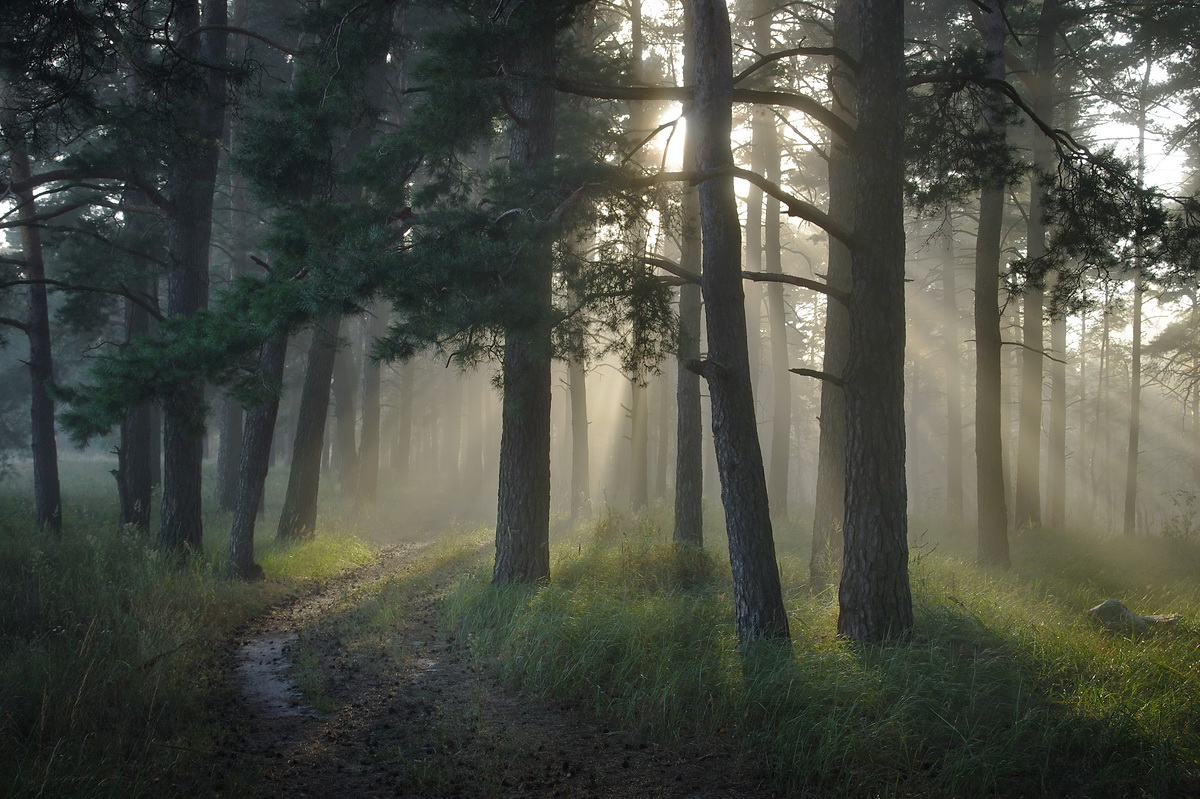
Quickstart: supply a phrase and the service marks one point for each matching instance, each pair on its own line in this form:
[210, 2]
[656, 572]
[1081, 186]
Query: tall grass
[107, 669]
[1004, 689]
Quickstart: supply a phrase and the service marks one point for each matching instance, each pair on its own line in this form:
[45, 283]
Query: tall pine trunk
[954, 423]
[191, 177]
[758, 600]
[874, 598]
[47, 498]
[689, 451]
[523, 510]
[253, 463]
[989, 449]
[368, 456]
[829, 510]
[298, 519]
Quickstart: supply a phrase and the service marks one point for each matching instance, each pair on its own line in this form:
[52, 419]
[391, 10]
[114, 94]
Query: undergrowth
[107, 667]
[1004, 688]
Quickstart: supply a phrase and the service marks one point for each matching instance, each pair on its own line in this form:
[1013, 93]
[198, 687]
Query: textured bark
[581, 480]
[47, 498]
[874, 598]
[829, 511]
[253, 463]
[689, 449]
[191, 178]
[298, 518]
[758, 600]
[523, 511]
[954, 423]
[989, 449]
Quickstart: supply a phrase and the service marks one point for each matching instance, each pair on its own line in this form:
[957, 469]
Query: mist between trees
[829, 268]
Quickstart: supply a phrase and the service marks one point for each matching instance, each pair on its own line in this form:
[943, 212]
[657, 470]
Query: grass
[1004, 689]
[107, 661]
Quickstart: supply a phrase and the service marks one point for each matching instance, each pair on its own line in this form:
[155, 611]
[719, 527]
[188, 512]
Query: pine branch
[150, 307]
[685, 276]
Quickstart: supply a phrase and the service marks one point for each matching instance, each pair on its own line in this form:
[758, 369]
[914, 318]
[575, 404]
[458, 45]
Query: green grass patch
[1004, 689]
[107, 667]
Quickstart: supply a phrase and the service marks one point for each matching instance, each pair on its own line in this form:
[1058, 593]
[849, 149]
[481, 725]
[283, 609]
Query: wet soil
[324, 709]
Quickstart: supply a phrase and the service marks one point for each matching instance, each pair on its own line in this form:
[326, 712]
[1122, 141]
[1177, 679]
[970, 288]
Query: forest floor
[357, 689]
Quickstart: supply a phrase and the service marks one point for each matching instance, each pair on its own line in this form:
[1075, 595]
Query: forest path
[358, 690]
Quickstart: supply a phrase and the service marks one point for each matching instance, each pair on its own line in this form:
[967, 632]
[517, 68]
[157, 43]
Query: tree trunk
[639, 439]
[758, 600]
[345, 416]
[689, 446]
[253, 464]
[829, 512]
[1135, 354]
[191, 177]
[368, 455]
[766, 145]
[523, 511]
[135, 478]
[1129, 526]
[581, 501]
[954, 423]
[1027, 510]
[47, 498]
[874, 598]
[298, 518]
[989, 450]
[403, 454]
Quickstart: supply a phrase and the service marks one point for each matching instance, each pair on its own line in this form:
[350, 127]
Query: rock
[1112, 615]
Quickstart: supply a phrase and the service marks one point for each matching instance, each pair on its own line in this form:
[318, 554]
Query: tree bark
[758, 600]
[135, 453]
[253, 463]
[989, 450]
[874, 598]
[829, 510]
[192, 180]
[689, 447]
[523, 511]
[298, 518]
[47, 497]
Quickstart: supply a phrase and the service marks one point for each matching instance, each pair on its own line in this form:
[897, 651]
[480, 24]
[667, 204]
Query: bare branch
[828, 378]
[770, 58]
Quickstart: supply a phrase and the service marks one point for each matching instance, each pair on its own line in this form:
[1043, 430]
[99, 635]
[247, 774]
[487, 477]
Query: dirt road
[358, 691]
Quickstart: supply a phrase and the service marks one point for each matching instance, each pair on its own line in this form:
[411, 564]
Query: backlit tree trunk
[829, 510]
[758, 600]
[989, 451]
[689, 452]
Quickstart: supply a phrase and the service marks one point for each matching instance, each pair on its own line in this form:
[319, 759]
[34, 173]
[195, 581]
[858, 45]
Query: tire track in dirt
[410, 714]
